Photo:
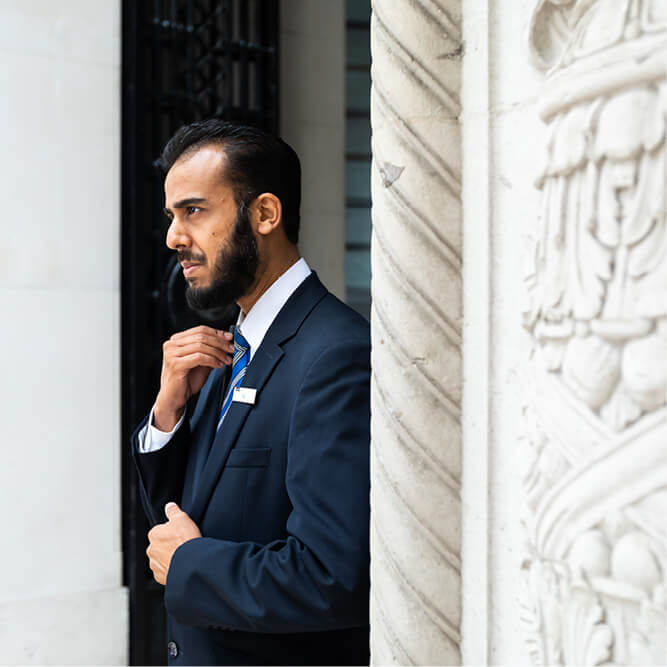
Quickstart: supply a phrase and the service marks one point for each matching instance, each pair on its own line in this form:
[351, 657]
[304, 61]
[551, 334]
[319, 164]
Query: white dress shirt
[253, 327]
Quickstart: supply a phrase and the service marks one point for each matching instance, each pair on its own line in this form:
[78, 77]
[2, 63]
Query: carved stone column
[595, 452]
[416, 324]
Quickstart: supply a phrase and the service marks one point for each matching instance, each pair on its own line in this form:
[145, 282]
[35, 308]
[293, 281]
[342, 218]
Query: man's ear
[267, 213]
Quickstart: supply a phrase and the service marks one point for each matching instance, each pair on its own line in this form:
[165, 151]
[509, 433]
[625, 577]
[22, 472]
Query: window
[358, 157]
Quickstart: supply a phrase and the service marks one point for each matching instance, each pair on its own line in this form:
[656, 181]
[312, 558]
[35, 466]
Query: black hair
[256, 162]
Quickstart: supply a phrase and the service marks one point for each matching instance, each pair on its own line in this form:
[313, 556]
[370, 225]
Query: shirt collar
[254, 324]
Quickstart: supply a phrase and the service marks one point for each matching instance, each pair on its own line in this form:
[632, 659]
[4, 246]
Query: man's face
[213, 238]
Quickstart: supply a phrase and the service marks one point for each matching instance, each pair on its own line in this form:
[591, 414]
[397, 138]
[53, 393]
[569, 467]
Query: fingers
[195, 359]
[216, 334]
[187, 358]
[174, 352]
[159, 573]
[203, 338]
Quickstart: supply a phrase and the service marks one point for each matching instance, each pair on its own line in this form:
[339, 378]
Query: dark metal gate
[183, 60]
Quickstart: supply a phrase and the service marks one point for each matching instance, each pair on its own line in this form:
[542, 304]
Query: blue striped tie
[239, 365]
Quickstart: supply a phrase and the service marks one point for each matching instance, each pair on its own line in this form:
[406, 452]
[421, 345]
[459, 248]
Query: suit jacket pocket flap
[249, 458]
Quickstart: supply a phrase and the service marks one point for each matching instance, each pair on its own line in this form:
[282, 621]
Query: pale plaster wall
[312, 121]
[61, 599]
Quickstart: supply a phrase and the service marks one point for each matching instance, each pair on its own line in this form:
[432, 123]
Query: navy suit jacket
[281, 496]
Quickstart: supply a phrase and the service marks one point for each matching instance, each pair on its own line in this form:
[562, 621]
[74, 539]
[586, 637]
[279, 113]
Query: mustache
[189, 256]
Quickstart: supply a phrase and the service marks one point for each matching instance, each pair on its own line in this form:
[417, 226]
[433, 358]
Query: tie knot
[240, 343]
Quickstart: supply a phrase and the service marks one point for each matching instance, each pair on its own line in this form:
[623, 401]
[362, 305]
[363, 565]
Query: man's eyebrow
[190, 201]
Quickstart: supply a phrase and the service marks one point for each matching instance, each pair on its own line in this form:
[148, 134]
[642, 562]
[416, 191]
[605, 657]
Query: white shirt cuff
[151, 438]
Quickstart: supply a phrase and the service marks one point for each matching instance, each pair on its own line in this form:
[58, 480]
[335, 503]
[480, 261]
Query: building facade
[519, 216]
[519, 318]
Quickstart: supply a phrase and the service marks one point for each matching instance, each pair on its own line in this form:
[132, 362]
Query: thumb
[172, 510]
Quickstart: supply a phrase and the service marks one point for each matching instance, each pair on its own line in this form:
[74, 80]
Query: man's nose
[176, 236]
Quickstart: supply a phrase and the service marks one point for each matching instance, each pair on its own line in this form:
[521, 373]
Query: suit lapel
[259, 370]
[203, 423]
[286, 324]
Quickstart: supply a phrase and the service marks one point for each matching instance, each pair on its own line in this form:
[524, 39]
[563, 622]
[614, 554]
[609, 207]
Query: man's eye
[192, 209]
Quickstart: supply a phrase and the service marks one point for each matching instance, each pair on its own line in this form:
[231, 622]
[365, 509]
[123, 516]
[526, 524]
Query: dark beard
[234, 271]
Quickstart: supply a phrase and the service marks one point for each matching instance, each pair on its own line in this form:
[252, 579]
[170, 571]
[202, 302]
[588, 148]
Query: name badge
[244, 395]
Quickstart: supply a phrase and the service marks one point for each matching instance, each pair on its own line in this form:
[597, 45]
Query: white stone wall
[312, 121]
[503, 139]
[565, 359]
[517, 143]
[61, 600]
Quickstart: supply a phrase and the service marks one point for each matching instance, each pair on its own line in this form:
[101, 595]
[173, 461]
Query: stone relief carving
[595, 445]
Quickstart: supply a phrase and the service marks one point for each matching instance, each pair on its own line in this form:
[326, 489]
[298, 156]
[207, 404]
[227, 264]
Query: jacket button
[172, 647]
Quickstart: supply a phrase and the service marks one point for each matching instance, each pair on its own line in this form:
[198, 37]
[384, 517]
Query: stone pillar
[416, 325]
[594, 454]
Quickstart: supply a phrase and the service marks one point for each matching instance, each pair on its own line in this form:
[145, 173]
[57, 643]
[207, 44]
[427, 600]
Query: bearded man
[257, 488]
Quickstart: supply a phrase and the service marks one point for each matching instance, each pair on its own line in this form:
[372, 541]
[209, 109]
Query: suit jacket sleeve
[161, 473]
[317, 578]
